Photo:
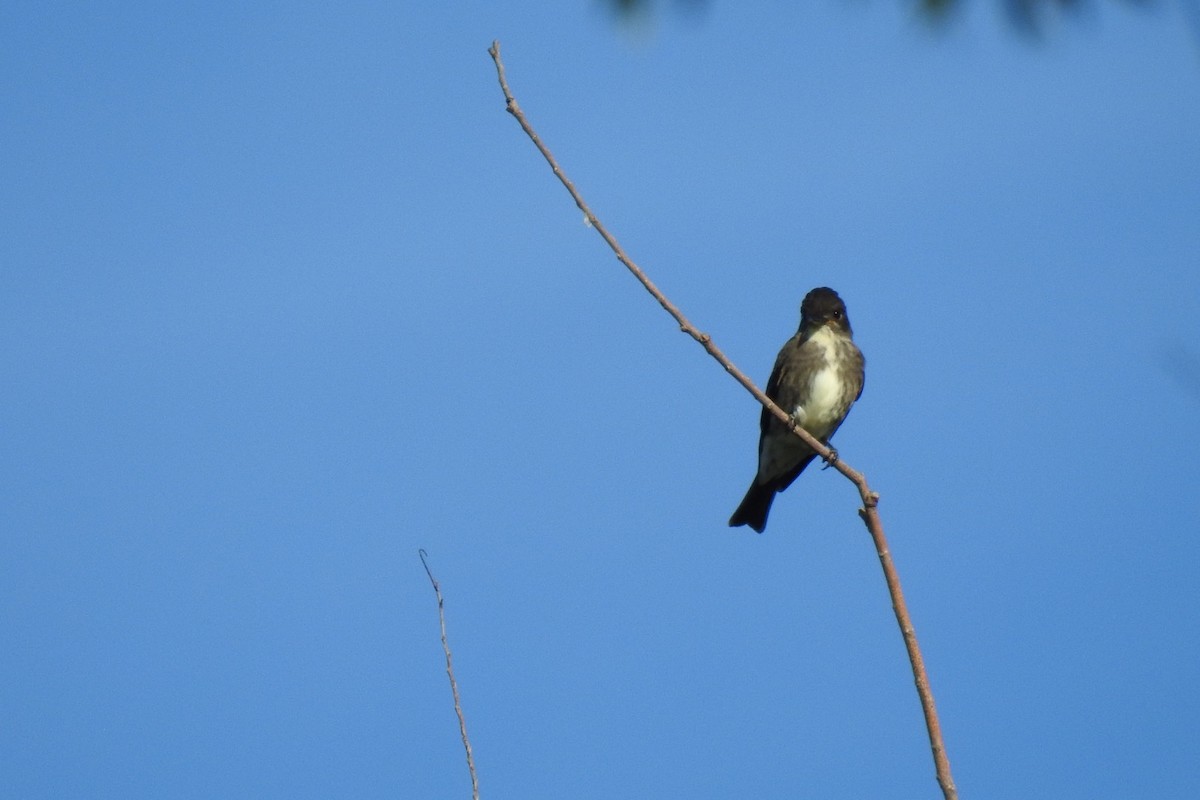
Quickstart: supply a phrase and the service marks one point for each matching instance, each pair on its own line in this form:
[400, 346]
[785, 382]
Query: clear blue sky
[285, 296]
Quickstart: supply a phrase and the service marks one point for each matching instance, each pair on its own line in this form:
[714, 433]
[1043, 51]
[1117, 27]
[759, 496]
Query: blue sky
[285, 296]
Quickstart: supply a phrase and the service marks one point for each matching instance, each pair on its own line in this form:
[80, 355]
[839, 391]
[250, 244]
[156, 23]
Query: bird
[818, 375]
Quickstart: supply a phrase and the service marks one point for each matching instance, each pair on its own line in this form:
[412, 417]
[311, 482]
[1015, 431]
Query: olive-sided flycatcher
[817, 377]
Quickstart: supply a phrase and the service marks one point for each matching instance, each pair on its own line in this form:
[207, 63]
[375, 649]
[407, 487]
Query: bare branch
[462, 722]
[870, 499]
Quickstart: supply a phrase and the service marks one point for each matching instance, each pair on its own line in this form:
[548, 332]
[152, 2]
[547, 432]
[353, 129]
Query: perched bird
[817, 377]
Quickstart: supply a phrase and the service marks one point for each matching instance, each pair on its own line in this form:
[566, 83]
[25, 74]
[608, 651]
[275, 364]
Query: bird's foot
[831, 459]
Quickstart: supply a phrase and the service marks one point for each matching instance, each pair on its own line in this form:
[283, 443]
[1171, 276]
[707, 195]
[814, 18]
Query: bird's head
[821, 307]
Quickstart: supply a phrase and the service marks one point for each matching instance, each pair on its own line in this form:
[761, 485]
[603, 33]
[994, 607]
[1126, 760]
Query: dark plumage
[817, 377]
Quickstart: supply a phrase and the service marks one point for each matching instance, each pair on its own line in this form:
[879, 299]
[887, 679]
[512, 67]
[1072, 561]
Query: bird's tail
[754, 508]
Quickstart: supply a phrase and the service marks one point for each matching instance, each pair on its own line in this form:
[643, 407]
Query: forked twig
[870, 499]
[462, 722]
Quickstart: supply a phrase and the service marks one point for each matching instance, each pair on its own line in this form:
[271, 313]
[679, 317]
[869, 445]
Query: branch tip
[462, 721]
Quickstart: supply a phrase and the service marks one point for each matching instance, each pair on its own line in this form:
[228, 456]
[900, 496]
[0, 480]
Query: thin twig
[462, 721]
[870, 499]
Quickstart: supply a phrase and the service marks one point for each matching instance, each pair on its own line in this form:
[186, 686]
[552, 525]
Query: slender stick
[870, 499]
[462, 721]
[941, 762]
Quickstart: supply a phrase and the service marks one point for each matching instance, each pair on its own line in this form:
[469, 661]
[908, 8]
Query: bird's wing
[783, 393]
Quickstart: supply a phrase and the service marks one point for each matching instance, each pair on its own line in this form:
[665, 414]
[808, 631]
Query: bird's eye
[837, 314]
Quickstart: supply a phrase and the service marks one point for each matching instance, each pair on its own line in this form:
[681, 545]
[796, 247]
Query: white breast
[825, 391]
